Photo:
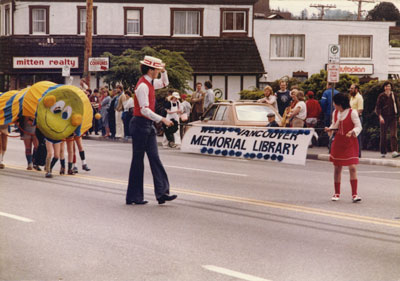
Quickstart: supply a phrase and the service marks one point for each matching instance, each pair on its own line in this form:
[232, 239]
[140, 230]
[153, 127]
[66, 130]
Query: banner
[281, 145]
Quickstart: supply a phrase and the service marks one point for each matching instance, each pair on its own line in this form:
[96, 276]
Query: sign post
[333, 69]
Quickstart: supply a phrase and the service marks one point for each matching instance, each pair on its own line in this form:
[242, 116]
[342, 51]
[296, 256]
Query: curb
[366, 161]
[313, 156]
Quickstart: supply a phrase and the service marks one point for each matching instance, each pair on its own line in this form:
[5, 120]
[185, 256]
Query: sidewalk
[317, 153]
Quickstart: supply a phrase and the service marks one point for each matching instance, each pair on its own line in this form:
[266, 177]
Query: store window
[355, 46]
[133, 21]
[287, 46]
[187, 22]
[38, 19]
[82, 20]
[234, 21]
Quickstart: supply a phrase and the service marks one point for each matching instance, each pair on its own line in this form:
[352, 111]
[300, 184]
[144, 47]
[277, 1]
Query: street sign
[333, 72]
[334, 53]
[98, 64]
[66, 71]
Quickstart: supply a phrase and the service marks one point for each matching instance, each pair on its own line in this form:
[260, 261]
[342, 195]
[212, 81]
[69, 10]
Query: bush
[395, 43]
[371, 91]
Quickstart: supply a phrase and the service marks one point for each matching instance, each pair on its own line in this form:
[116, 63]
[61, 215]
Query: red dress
[344, 150]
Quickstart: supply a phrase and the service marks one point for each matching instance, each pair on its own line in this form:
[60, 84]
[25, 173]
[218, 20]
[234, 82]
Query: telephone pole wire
[359, 6]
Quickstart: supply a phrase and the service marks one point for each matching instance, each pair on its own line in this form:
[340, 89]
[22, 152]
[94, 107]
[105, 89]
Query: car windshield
[253, 112]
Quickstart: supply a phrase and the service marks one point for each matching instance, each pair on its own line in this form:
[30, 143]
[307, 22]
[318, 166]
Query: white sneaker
[335, 197]
[356, 198]
[395, 154]
[383, 155]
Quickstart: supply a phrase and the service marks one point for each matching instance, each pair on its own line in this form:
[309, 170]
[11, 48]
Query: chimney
[261, 7]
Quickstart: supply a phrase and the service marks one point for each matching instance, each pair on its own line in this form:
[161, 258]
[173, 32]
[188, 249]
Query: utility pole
[88, 40]
[359, 6]
[322, 7]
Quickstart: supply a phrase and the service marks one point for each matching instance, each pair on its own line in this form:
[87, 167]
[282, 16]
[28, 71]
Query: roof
[206, 55]
[211, 2]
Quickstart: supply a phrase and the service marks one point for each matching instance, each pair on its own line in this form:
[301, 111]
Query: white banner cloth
[280, 145]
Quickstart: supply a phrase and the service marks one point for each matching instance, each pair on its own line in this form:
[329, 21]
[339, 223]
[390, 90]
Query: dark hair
[208, 84]
[356, 87]
[145, 68]
[387, 83]
[128, 93]
[95, 90]
[342, 100]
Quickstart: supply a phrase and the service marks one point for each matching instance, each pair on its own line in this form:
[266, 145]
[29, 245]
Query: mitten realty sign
[280, 145]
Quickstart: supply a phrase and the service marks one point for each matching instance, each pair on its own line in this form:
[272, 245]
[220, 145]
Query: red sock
[354, 186]
[337, 187]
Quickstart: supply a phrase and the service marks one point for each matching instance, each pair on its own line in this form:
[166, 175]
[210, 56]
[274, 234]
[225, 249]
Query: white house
[292, 46]
[216, 37]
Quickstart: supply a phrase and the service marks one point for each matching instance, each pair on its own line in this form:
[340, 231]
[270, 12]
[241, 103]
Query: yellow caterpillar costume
[60, 110]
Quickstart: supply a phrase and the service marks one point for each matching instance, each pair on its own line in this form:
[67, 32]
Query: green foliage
[316, 83]
[371, 91]
[395, 43]
[254, 94]
[384, 11]
[125, 68]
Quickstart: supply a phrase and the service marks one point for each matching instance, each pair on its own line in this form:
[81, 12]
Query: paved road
[233, 220]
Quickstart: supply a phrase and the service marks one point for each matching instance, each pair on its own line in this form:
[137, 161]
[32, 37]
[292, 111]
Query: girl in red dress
[344, 150]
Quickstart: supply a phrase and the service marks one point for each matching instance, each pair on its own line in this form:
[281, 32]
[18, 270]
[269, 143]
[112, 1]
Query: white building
[290, 46]
[216, 37]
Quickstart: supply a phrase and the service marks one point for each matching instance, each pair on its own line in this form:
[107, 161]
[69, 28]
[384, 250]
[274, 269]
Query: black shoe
[75, 169]
[166, 197]
[85, 167]
[37, 168]
[62, 171]
[136, 203]
[71, 172]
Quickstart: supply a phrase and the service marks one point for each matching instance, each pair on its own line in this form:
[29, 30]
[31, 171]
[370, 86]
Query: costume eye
[57, 107]
[66, 113]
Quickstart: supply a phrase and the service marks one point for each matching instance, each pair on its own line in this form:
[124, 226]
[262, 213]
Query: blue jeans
[144, 141]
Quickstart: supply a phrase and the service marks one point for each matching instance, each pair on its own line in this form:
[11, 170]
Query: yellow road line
[249, 201]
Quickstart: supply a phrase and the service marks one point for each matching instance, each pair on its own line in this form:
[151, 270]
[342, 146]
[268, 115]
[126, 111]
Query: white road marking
[234, 274]
[15, 217]
[207, 171]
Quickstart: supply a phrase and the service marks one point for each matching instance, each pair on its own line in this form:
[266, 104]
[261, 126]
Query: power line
[359, 6]
[322, 7]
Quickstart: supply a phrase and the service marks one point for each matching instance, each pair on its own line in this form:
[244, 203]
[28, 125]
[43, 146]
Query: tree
[384, 11]
[339, 14]
[304, 14]
[125, 68]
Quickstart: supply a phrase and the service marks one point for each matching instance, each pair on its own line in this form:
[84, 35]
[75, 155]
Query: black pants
[144, 141]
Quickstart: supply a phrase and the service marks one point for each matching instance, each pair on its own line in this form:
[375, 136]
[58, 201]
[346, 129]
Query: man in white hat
[143, 134]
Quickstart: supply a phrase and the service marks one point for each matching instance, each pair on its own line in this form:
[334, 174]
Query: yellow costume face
[59, 113]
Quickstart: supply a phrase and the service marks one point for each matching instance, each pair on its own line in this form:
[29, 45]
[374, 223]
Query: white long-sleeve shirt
[142, 95]
[342, 115]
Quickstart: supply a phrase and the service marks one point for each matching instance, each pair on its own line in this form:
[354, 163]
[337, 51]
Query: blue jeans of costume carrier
[144, 141]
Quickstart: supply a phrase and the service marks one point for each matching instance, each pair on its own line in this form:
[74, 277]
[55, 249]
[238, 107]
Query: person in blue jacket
[326, 103]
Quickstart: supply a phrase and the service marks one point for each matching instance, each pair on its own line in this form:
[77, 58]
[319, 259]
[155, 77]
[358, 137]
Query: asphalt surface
[233, 220]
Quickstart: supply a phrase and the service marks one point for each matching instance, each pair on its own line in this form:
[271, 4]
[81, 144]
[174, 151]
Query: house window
[133, 21]
[7, 21]
[234, 21]
[187, 22]
[355, 46]
[38, 19]
[287, 46]
[82, 20]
